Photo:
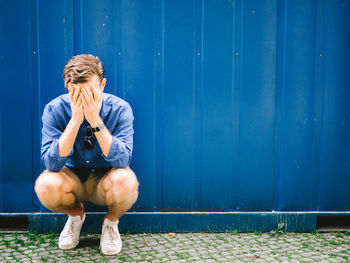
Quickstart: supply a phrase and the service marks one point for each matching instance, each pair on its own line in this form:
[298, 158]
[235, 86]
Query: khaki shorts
[88, 191]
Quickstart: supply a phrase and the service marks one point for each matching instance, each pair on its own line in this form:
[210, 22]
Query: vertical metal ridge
[115, 71]
[162, 101]
[1, 171]
[239, 41]
[159, 100]
[280, 102]
[154, 182]
[323, 59]
[38, 66]
[78, 26]
[34, 82]
[194, 185]
[123, 48]
[231, 101]
[32, 111]
[283, 88]
[235, 100]
[115, 53]
[201, 103]
[197, 52]
[318, 104]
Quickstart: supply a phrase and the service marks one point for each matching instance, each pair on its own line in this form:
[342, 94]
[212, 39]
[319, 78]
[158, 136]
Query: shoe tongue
[108, 222]
[75, 218]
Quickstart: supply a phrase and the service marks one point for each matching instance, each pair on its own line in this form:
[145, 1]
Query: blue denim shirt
[117, 116]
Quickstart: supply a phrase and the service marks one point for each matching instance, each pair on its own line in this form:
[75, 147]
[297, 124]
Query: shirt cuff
[56, 162]
[118, 155]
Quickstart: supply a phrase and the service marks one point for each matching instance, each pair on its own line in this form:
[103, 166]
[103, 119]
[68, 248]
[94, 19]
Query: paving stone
[190, 247]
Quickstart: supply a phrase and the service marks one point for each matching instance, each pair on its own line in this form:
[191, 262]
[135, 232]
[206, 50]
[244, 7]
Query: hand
[76, 104]
[92, 102]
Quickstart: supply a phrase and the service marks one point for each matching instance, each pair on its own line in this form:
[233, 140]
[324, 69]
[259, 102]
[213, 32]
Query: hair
[80, 68]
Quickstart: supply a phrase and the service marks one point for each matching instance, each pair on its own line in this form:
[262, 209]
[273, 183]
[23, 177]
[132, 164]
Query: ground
[183, 247]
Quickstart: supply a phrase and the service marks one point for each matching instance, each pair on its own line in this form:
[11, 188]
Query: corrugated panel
[239, 105]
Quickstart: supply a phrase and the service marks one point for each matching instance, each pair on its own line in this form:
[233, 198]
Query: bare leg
[56, 191]
[120, 191]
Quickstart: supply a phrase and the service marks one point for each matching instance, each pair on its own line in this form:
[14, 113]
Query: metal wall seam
[78, 26]
[280, 101]
[280, 80]
[159, 115]
[155, 98]
[237, 35]
[116, 53]
[239, 82]
[162, 95]
[234, 194]
[319, 103]
[38, 72]
[123, 49]
[197, 56]
[201, 134]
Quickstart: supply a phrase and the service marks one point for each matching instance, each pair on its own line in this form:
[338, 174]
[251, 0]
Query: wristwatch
[99, 127]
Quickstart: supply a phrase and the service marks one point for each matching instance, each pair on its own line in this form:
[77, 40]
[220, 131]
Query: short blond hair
[80, 68]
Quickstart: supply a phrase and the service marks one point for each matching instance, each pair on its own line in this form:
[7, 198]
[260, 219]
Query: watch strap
[99, 127]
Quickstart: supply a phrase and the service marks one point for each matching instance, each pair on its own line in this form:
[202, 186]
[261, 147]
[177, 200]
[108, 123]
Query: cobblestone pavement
[183, 247]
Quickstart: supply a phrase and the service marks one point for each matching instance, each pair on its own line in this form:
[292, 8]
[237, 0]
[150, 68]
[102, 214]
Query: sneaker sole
[68, 247]
[110, 253]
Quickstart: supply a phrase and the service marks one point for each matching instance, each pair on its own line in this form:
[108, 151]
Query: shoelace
[112, 233]
[69, 231]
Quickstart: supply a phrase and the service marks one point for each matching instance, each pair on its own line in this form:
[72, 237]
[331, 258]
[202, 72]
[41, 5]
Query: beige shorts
[88, 191]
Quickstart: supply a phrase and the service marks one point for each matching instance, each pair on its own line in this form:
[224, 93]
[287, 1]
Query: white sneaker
[69, 237]
[110, 243]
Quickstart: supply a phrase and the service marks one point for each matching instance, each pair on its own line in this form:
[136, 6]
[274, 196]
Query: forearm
[67, 138]
[104, 138]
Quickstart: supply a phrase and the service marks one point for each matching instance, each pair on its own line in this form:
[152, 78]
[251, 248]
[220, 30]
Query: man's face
[93, 84]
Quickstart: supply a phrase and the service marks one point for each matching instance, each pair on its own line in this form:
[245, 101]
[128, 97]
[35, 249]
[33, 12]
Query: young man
[87, 141]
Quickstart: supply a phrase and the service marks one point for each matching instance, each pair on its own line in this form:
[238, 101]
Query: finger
[86, 96]
[70, 92]
[80, 106]
[76, 93]
[101, 96]
[69, 87]
[97, 94]
[84, 103]
[80, 101]
[92, 89]
[88, 92]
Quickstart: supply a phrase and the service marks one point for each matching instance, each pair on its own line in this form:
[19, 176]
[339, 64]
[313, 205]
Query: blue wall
[239, 105]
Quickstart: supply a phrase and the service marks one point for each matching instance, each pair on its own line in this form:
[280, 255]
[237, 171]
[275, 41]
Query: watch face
[99, 127]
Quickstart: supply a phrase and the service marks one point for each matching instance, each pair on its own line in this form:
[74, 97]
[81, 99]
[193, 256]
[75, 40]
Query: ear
[103, 83]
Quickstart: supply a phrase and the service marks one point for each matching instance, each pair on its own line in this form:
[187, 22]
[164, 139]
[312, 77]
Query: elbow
[49, 165]
[123, 161]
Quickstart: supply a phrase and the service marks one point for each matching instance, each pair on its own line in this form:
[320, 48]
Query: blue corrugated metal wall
[239, 105]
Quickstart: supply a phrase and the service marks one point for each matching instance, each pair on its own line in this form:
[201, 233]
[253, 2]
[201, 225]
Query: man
[87, 142]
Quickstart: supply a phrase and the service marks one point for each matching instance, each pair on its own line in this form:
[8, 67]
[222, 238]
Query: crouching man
[87, 141]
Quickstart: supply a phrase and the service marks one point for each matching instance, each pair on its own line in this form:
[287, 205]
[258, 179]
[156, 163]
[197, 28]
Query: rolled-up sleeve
[49, 142]
[120, 152]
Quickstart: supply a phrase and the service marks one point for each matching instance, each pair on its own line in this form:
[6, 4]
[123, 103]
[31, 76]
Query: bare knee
[122, 181]
[48, 182]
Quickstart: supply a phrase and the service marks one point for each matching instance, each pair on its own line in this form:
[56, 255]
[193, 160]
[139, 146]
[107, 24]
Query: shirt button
[87, 161]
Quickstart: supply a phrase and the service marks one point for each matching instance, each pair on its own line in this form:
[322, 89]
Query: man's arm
[55, 143]
[69, 135]
[116, 147]
[120, 152]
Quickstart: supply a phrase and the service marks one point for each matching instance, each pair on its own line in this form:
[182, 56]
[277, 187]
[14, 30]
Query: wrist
[95, 122]
[76, 121]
